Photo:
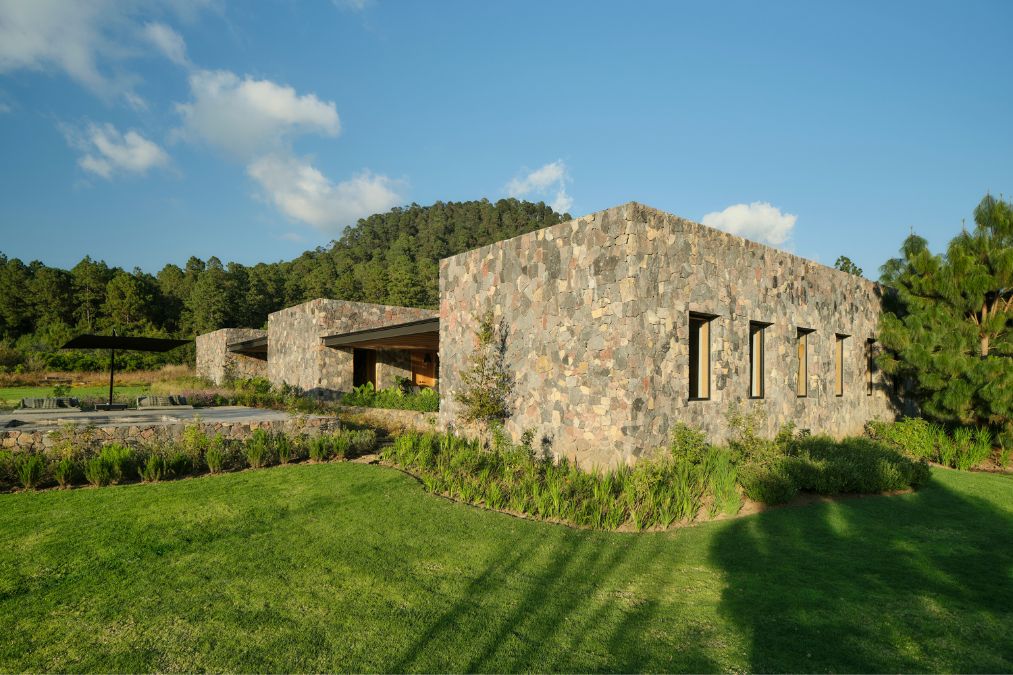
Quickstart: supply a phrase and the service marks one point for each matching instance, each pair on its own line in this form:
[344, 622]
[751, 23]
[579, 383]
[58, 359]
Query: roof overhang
[422, 335]
[139, 344]
[253, 347]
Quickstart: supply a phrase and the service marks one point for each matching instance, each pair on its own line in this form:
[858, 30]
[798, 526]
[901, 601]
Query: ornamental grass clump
[30, 469]
[258, 449]
[512, 476]
[962, 448]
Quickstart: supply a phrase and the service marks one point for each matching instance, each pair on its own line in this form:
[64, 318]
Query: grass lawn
[11, 396]
[354, 567]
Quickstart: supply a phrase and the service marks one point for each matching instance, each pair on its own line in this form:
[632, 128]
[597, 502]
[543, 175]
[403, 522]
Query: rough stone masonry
[597, 319]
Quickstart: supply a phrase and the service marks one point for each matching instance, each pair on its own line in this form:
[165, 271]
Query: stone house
[618, 325]
[325, 347]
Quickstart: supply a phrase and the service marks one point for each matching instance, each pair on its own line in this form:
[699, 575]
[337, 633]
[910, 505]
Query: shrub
[396, 397]
[97, 471]
[768, 483]
[178, 463]
[153, 469]
[363, 441]
[283, 448]
[320, 449]
[341, 442]
[688, 444]
[486, 383]
[119, 460]
[30, 469]
[258, 449]
[214, 456]
[66, 471]
[655, 492]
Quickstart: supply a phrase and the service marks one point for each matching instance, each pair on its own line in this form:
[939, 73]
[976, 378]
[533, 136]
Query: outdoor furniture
[62, 402]
[153, 402]
[121, 342]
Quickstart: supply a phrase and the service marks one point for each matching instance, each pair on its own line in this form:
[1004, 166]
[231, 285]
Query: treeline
[391, 258]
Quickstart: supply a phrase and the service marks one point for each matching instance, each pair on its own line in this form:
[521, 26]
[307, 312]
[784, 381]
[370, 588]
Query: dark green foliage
[946, 331]
[153, 469]
[423, 400]
[795, 463]
[259, 449]
[390, 258]
[30, 468]
[962, 448]
[214, 456]
[844, 264]
[66, 471]
[653, 493]
[486, 381]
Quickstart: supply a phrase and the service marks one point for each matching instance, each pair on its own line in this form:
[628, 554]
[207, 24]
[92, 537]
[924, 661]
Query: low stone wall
[40, 439]
[393, 420]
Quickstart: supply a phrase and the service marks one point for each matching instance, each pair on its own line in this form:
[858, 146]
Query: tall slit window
[699, 356]
[756, 357]
[870, 365]
[802, 376]
[839, 364]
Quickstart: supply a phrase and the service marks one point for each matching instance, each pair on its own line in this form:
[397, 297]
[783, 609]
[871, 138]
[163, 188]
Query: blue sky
[144, 133]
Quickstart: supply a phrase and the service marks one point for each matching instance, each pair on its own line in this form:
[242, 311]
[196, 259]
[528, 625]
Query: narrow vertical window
[756, 365]
[839, 364]
[802, 376]
[870, 365]
[699, 356]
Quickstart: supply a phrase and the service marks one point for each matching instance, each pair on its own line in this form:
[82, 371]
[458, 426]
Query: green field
[11, 396]
[354, 567]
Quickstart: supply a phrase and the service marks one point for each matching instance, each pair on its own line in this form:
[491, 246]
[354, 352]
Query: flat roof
[257, 345]
[423, 334]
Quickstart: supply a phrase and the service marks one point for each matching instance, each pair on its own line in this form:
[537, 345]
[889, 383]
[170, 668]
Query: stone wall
[596, 316]
[298, 357]
[39, 439]
[217, 364]
[392, 364]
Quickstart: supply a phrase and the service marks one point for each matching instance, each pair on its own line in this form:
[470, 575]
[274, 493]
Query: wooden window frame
[757, 369]
[870, 366]
[802, 349]
[700, 377]
[839, 339]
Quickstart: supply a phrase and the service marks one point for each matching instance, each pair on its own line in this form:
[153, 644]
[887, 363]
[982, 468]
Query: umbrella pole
[112, 369]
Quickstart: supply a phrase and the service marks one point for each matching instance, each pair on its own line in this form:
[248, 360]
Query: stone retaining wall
[596, 315]
[217, 364]
[13, 439]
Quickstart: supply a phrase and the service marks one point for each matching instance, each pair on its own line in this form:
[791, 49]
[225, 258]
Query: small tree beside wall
[487, 382]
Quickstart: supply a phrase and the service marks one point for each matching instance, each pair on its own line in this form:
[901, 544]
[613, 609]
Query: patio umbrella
[121, 342]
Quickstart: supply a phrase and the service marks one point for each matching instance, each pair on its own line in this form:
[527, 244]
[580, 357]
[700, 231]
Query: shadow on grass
[568, 613]
[921, 582]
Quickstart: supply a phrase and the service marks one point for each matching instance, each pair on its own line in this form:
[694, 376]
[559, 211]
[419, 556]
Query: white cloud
[300, 191]
[108, 152]
[293, 237]
[167, 41]
[546, 181]
[759, 221]
[247, 117]
[89, 40]
[43, 34]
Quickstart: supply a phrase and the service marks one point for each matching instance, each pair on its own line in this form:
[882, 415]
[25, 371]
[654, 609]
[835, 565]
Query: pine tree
[947, 328]
[844, 264]
[487, 381]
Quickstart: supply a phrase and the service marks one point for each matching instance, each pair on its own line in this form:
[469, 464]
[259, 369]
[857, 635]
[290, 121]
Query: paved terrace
[37, 420]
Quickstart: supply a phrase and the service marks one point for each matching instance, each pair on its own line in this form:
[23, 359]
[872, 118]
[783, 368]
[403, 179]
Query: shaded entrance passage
[409, 350]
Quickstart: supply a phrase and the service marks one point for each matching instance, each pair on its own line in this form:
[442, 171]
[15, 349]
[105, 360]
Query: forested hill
[390, 258]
